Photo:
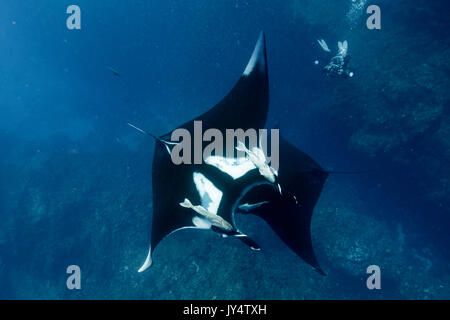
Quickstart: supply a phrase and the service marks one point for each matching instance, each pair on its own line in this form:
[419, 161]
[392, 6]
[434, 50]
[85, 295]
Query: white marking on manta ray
[210, 198]
[148, 261]
[203, 223]
[234, 167]
[257, 57]
[209, 194]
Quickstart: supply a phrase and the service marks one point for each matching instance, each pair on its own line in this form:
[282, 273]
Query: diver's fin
[323, 45]
[342, 47]
[345, 45]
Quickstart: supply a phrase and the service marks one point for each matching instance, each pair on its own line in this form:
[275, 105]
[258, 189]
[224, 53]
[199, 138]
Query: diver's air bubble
[355, 12]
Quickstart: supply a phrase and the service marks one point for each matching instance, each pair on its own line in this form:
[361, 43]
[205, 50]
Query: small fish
[248, 207]
[215, 220]
[256, 155]
[114, 71]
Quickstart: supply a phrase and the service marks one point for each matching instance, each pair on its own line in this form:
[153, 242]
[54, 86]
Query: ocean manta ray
[208, 195]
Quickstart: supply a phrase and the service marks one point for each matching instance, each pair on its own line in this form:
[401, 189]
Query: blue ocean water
[75, 180]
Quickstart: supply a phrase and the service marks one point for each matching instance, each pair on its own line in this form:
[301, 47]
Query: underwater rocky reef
[69, 203]
[397, 110]
[72, 207]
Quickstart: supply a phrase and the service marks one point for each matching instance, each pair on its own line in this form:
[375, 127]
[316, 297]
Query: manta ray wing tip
[258, 58]
[148, 261]
[320, 271]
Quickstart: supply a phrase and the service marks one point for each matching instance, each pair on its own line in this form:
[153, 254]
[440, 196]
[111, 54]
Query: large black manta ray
[207, 195]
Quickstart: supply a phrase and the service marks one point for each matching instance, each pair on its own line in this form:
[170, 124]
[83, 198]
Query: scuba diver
[338, 65]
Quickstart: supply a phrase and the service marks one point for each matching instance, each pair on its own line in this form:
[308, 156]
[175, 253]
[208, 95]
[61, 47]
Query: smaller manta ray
[208, 195]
